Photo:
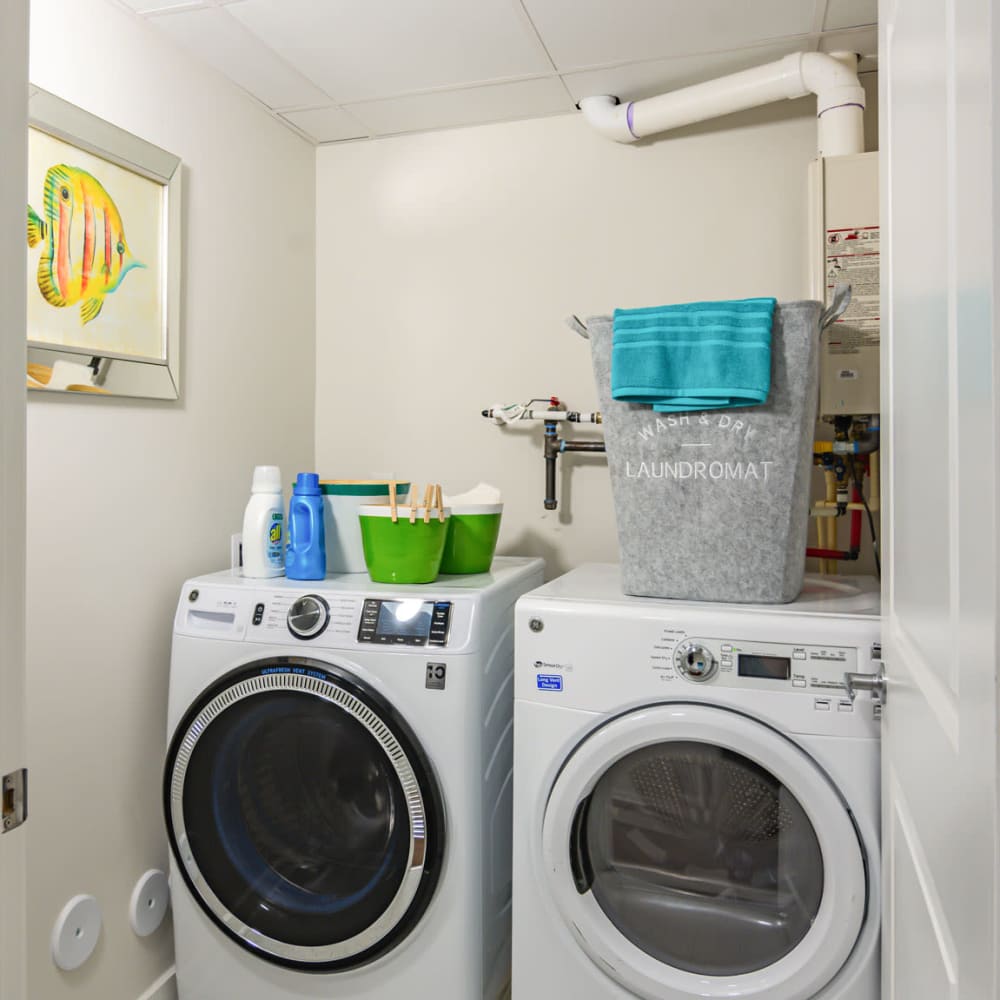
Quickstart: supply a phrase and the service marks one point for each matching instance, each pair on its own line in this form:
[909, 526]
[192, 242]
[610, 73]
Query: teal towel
[695, 356]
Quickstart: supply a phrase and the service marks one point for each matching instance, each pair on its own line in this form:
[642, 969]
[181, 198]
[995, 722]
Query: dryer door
[303, 815]
[695, 852]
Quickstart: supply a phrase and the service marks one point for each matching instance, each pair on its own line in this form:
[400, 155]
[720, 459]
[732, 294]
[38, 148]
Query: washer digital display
[414, 622]
[411, 619]
[777, 668]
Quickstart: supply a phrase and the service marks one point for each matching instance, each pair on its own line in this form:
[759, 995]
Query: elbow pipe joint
[833, 79]
[608, 116]
[834, 83]
[552, 448]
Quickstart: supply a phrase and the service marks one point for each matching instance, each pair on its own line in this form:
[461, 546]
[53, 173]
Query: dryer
[696, 797]
[337, 787]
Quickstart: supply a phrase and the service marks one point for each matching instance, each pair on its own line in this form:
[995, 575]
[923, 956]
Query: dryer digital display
[778, 668]
[405, 622]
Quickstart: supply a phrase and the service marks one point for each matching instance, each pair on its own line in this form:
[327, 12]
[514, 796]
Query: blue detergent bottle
[305, 558]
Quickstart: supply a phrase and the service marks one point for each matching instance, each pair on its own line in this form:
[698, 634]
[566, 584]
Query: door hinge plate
[875, 683]
[15, 800]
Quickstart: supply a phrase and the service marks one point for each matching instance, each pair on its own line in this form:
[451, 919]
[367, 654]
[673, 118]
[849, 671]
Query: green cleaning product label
[275, 547]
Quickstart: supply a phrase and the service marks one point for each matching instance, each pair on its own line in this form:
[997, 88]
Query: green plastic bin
[398, 551]
[473, 530]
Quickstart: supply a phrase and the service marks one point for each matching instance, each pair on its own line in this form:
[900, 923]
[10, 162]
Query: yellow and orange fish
[85, 256]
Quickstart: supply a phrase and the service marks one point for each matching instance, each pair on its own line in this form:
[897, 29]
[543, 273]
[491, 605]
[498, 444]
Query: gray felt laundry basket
[714, 506]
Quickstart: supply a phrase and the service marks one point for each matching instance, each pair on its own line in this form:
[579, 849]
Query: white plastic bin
[342, 499]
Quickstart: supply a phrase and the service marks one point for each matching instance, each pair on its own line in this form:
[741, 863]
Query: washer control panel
[407, 622]
[329, 617]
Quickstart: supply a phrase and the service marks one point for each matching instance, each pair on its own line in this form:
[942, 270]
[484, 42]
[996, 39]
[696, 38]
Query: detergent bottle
[305, 558]
[263, 525]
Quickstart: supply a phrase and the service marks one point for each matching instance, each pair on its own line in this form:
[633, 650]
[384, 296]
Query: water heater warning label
[852, 255]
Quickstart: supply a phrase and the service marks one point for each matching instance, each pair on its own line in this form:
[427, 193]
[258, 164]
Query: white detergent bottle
[264, 525]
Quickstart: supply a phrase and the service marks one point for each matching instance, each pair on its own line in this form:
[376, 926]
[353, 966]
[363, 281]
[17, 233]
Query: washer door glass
[299, 810]
[700, 857]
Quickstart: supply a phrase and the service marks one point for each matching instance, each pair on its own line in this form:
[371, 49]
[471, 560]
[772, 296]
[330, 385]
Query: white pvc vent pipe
[840, 101]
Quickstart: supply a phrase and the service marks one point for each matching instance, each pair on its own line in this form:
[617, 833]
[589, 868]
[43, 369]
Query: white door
[13, 257]
[940, 181]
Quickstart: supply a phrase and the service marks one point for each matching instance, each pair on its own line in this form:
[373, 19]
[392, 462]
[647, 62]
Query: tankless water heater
[845, 223]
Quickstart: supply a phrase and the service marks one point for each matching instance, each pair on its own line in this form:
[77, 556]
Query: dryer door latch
[866, 682]
[15, 800]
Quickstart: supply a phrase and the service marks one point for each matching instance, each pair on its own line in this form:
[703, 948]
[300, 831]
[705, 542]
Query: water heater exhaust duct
[840, 101]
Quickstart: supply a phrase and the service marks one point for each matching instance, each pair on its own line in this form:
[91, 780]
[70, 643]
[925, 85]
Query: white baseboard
[165, 987]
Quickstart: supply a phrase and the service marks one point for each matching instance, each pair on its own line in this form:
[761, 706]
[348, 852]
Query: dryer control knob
[308, 616]
[695, 661]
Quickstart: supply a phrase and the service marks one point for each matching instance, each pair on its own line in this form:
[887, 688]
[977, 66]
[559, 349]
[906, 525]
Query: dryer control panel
[817, 671]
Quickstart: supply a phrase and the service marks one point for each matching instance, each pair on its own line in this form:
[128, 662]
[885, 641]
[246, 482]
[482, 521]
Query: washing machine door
[696, 852]
[303, 815]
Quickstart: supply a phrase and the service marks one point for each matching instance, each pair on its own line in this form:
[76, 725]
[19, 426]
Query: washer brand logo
[549, 682]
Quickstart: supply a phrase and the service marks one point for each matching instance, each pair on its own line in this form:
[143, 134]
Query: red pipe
[830, 554]
[855, 521]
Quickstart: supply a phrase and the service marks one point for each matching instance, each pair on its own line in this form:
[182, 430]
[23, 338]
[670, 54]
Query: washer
[337, 786]
[696, 805]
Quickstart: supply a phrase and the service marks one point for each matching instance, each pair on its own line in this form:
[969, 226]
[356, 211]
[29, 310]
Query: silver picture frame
[93, 370]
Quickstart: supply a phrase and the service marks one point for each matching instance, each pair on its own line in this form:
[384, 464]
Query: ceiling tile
[864, 41]
[327, 124]
[213, 36]
[590, 33]
[636, 81]
[357, 50]
[153, 6]
[471, 106]
[850, 13]
[146, 7]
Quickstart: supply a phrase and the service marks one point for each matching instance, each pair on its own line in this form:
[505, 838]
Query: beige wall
[127, 498]
[447, 262]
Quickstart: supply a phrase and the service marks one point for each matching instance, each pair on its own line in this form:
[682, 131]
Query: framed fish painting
[103, 235]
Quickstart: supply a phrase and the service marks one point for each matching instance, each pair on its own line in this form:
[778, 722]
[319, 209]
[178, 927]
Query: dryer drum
[693, 845]
[745, 801]
[303, 815]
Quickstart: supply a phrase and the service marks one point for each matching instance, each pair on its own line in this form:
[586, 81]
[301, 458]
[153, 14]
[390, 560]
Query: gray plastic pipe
[840, 101]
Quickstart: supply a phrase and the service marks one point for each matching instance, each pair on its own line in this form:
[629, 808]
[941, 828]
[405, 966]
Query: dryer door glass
[301, 817]
[700, 857]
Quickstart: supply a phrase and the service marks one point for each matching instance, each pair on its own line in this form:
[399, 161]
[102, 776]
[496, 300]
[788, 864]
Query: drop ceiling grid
[357, 69]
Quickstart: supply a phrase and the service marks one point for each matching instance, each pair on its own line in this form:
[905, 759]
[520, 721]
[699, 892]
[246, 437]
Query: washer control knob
[308, 616]
[695, 661]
